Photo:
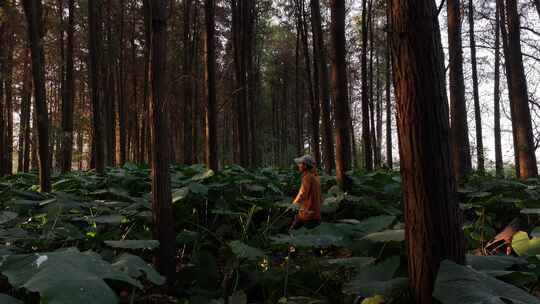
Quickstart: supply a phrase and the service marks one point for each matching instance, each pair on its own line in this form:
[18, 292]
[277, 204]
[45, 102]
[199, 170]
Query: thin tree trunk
[433, 219]
[388, 74]
[24, 133]
[164, 224]
[497, 98]
[458, 111]
[33, 12]
[94, 69]
[477, 111]
[68, 94]
[210, 77]
[519, 96]
[122, 105]
[187, 84]
[366, 133]
[340, 92]
[8, 90]
[3, 152]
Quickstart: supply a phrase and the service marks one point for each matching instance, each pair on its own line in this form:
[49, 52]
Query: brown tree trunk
[3, 27]
[210, 78]
[319, 55]
[388, 74]
[68, 94]
[519, 96]
[8, 91]
[477, 111]
[24, 133]
[94, 69]
[187, 83]
[33, 12]
[122, 105]
[340, 92]
[497, 98]
[366, 132]
[458, 110]
[433, 219]
[164, 224]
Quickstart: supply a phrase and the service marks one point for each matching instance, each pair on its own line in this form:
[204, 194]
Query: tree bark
[94, 70]
[366, 132]
[319, 55]
[433, 219]
[164, 224]
[388, 72]
[210, 77]
[477, 111]
[68, 94]
[497, 98]
[458, 110]
[122, 105]
[24, 133]
[33, 12]
[340, 92]
[519, 97]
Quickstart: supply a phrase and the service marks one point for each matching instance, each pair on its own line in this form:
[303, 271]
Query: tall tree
[24, 131]
[519, 96]
[497, 98]
[33, 11]
[388, 72]
[190, 15]
[477, 111]
[210, 88]
[94, 70]
[164, 224]
[433, 219]
[458, 110]
[68, 93]
[2, 119]
[319, 57]
[366, 133]
[8, 98]
[340, 91]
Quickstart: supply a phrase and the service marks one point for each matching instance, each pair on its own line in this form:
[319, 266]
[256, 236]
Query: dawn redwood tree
[33, 12]
[519, 96]
[164, 224]
[210, 88]
[433, 219]
[190, 15]
[68, 93]
[458, 111]
[94, 70]
[477, 112]
[388, 73]
[497, 98]
[319, 56]
[340, 91]
[366, 133]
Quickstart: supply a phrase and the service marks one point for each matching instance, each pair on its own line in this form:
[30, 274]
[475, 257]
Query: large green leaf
[522, 245]
[242, 250]
[5, 299]
[64, 277]
[493, 262]
[308, 241]
[133, 244]
[376, 279]
[135, 267]
[6, 216]
[397, 235]
[460, 284]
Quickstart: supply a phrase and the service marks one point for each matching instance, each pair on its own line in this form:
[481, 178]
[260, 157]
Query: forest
[269, 151]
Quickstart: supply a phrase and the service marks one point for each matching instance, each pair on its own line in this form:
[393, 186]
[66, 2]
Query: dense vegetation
[90, 239]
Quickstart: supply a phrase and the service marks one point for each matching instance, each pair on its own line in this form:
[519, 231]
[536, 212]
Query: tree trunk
[8, 91]
[366, 132]
[187, 83]
[319, 55]
[210, 77]
[164, 224]
[458, 110]
[94, 69]
[33, 12]
[3, 152]
[122, 105]
[68, 94]
[340, 92]
[433, 219]
[24, 133]
[519, 96]
[497, 98]
[477, 111]
[388, 74]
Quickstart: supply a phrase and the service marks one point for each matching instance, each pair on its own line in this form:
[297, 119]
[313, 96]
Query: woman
[309, 195]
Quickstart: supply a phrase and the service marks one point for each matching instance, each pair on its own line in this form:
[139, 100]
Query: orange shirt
[309, 197]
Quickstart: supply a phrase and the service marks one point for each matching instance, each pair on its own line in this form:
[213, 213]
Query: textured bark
[458, 110]
[319, 55]
[210, 77]
[8, 91]
[68, 93]
[433, 219]
[33, 12]
[164, 224]
[519, 96]
[188, 82]
[94, 70]
[497, 99]
[366, 132]
[24, 134]
[122, 105]
[2, 119]
[388, 74]
[340, 92]
[477, 111]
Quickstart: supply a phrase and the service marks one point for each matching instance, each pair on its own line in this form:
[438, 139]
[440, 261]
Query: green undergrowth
[90, 240]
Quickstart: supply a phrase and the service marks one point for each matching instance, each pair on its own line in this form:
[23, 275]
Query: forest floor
[90, 240]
